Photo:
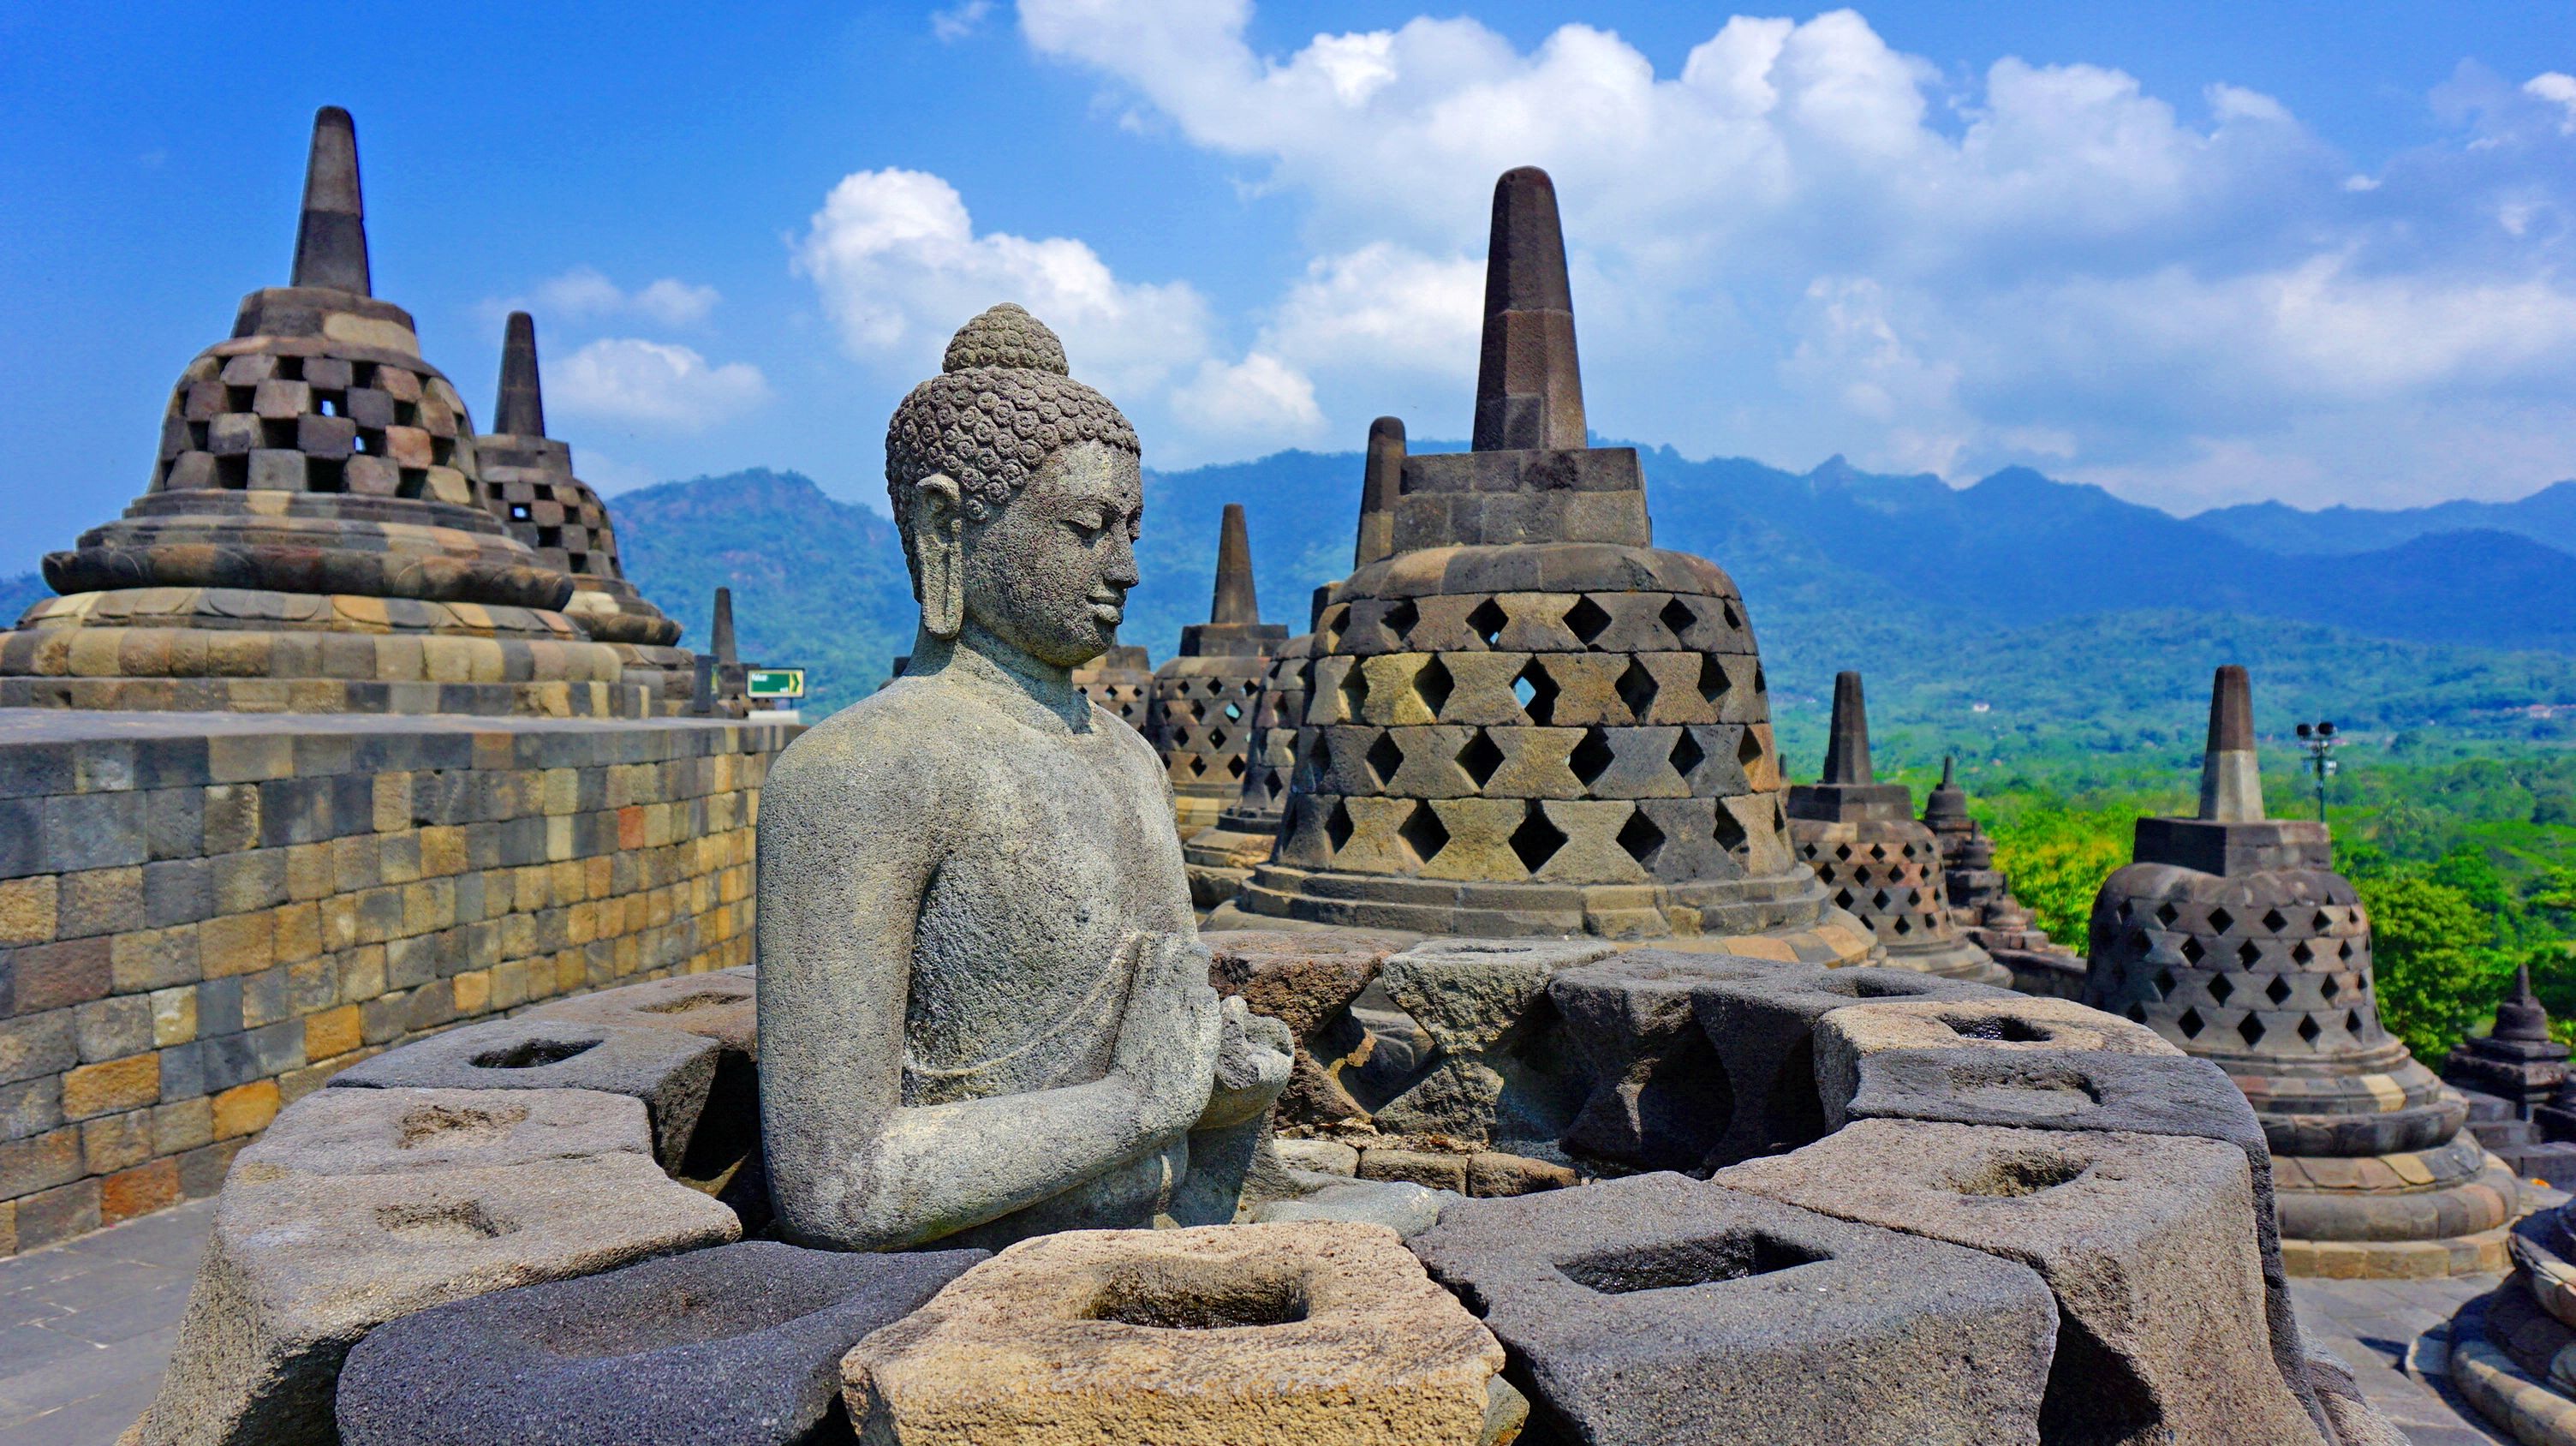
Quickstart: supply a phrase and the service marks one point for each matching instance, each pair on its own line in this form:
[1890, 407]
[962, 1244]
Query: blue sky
[2196, 253]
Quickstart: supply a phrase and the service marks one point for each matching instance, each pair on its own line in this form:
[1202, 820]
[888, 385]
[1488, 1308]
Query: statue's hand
[1252, 1060]
[1168, 1041]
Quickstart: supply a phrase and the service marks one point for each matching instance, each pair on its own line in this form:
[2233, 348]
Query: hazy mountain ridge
[2547, 516]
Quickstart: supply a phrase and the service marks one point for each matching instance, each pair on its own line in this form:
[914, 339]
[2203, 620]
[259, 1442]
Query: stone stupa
[2232, 936]
[1205, 695]
[1860, 837]
[313, 538]
[1525, 718]
[1120, 680]
[528, 483]
[1981, 903]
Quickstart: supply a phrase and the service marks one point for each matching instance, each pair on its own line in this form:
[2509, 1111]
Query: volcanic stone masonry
[1205, 695]
[1224, 854]
[2515, 1079]
[1981, 903]
[1523, 718]
[2232, 936]
[314, 537]
[529, 484]
[1120, 680]
[204, 914]
[1860, 837]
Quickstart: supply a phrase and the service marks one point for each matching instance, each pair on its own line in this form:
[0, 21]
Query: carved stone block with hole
[1657, 1096]
[1306, 979]
[717, 1006]
[393, 1131]
[1250, 1334]
[1659, 1309]
[1483, 1004]
[2148, 1243]
[2008, 1025]
[670, 1070]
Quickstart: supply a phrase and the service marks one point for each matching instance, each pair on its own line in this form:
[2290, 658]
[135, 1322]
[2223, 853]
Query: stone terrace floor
[86, 1326]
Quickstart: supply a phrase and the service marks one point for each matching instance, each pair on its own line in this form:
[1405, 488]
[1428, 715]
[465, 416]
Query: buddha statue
[984, 1007]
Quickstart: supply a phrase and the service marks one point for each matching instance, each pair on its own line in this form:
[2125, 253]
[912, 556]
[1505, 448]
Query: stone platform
[202, 916]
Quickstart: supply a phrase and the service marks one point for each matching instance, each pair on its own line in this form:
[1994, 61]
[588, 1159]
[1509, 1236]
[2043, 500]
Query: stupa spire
[1847, 751]
[331, 237]
[1234, 601]
[2231, 786]
[1529, 389]
[1380, 484]
[520, 411]
[720, 632]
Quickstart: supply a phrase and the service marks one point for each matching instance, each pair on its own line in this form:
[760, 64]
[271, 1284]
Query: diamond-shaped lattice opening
[2220, 989]
[2251, 1030]
[2278, 991]
[1878, 852]
[2249, 953]
[1536, 840]
[1712, 680]
[1536, 692]
[2324, 922]
[1677, 617]
[1384, 758]
[1354, 692]
[1337, 826]
[2273, 921]
[2301, 952]
[1842, 898]
[1433, 685]
[2332, 987]
[1234, 712]
[1748, 751]
[2352, 1021]
[1904, 925]
[2192, 951]
[2164, 982]
[2191, 1024]
[2308, 1030]
[2165, 915]
[1401, 618]
[1880, 899]
[1197, 766]
[1734, 619]
[1586, 619]
[1729, 834]
[2221, 920]
[1216, 737]
[1637, 689]
[2343, 949]
[1843, 852]
[2137, 1013]
[1641, 838]
[1487, 621]
[1424, 833]
[1480, 758]
[1686, 754]
[1591, 756]
[1234, 767]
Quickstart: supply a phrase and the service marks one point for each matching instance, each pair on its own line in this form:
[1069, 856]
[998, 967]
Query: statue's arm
[841, 876]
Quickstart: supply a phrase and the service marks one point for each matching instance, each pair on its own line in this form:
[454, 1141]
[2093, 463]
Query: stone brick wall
[204, 916]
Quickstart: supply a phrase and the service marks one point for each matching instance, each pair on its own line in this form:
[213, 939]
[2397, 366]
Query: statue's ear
[936, 531]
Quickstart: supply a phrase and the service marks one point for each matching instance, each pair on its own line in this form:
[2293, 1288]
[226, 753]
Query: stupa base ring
[2409, 1215]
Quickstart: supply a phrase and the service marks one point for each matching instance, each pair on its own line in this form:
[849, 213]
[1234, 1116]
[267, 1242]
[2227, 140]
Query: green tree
[2438, 973]
[2057, 859]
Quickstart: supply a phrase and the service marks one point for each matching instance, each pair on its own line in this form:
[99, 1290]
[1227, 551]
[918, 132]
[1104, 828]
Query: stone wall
[204, 916]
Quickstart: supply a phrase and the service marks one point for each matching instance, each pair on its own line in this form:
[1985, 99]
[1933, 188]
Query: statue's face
[1050, 574]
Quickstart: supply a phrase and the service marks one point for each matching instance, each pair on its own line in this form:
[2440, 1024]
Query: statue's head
[1018, 493]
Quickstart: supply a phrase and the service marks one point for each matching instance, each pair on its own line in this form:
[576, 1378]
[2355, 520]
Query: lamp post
[2319, 739]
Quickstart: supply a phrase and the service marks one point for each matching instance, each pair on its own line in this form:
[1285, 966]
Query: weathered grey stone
[1312, 1331]
[300, 1266]
[1659, 1309]
[1658, 1094]
[984, 1009]
[2355, 1421]
[2147, 1241]
[389, 1131]
[2013, 1024]
[1763, 1031]
[1483, 1003]
[1402, 1206]
[718, 1006]
[669, 1070]
[740, 1345]
[1307, 980]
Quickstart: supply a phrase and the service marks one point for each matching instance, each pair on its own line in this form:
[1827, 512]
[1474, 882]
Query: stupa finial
[1529, 389]
[331, 238]
[720, 632]
[1847, 752]
[2231, 785]
[1234, 601]
[1381, 483]
[520, 410]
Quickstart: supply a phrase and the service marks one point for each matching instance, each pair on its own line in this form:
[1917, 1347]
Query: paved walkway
[86, 1326]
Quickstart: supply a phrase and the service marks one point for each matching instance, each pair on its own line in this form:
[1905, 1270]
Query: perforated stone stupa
[1120, 680]
[2232, 936]
[1525, 718]
[1981, 903]
[1205, 695]
[313, 538]
[528, 483]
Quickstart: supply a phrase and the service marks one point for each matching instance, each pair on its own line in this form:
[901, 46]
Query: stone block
[2012, 1024]
[299, 1267]
[1483, 1004]
[713, 1006]
[2147, 1241]
[736, 1346]
[1309, 1331]
[1763, 1031]
[1657, 1096]
[669, 1070]
[398, 1130]
[1658, 1309]
[1306, 980]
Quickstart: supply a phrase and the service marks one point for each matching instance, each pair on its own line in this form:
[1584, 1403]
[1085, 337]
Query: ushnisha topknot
[1003, 401]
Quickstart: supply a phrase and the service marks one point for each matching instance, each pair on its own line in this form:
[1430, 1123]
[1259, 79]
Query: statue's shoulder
[902, 731]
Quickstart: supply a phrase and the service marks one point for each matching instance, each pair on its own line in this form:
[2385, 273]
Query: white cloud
[584, 293]
[958, 21]
[1259, 402]
[1807, 241]
[654, 383]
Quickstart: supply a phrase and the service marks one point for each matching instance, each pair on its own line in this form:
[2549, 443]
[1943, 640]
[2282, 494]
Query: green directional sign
[774, 683]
